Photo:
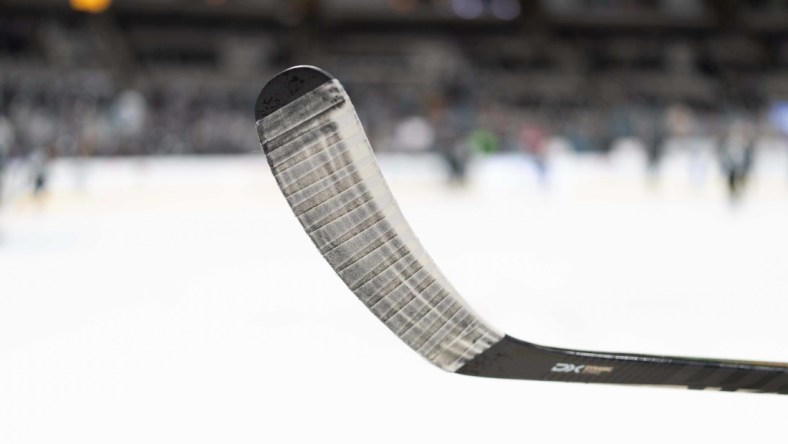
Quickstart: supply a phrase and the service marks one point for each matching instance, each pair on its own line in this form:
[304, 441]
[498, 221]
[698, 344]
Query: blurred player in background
[649, 127]
[6, 143]
[778, 117]
[533, 141]
[39, 170]
[453, 116]
[736, 154]
[41, 132]
[682, 126]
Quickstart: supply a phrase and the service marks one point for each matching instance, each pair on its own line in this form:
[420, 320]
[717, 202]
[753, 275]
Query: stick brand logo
[594, 370]
[567, 368]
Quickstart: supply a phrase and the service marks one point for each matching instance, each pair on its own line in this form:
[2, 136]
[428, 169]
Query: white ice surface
[179, 301]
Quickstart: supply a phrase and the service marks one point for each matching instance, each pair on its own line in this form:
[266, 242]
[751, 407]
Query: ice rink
[178, 300]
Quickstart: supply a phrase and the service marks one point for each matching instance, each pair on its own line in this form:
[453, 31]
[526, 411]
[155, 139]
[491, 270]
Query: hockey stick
[326, 170]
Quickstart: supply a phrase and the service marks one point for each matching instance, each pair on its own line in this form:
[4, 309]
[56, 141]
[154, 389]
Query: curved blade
[324, 165]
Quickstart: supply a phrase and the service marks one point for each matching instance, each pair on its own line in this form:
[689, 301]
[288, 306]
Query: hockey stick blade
[324, 165]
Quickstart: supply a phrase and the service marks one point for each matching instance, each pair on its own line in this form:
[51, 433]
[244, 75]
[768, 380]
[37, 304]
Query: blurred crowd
[84, 86]
[94, 118]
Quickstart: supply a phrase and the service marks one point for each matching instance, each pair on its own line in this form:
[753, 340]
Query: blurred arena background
[501, 76]
[599, 174]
